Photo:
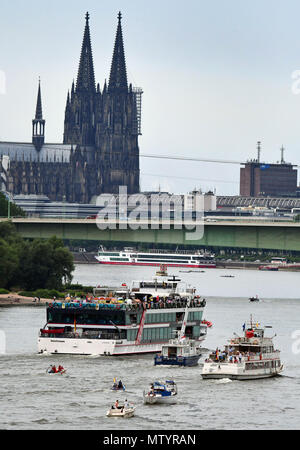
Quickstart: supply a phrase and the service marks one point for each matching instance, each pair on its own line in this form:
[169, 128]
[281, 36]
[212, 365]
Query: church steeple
[38, 123]
[118, 74]
[86, 76]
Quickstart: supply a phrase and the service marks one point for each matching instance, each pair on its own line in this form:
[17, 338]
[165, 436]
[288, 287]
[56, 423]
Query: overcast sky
[217, 77]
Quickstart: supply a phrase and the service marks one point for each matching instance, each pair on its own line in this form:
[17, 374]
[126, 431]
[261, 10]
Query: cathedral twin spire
[118, 73]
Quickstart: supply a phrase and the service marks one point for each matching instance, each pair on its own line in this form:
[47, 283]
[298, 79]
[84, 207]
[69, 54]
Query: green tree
[9, 262]
[31, 265]
[15, 211]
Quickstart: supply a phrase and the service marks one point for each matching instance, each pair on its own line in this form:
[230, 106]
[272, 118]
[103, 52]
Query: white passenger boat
[125, 321]
[164, 393]
[249, 357]
[131, 257]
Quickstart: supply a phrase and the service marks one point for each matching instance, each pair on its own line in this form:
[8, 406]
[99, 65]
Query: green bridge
[239, 233]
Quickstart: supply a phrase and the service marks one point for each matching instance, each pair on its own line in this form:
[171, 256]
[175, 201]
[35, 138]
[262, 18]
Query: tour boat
[131, 257]
[249, 357]
[146, 316]
[161, 393]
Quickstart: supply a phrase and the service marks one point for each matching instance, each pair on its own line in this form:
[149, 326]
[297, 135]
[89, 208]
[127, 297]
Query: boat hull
[240, 374]
[185, 361]
[96, 347]
[153, 264]
[151, 400]
[119, 413]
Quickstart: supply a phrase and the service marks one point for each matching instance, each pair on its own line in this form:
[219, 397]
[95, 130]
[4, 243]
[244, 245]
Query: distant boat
[227, 276]
[254, 299]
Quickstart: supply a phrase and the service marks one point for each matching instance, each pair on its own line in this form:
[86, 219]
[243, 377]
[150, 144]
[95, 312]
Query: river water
[32, 399]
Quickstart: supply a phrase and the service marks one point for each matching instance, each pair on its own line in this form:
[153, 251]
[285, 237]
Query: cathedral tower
[80, 108]
[117, 132]
[38, 123]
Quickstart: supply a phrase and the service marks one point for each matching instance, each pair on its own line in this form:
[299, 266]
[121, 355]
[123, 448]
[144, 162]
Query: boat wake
[223, 381]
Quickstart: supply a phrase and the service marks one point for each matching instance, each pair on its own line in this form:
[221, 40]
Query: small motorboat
[121, 411]
[254, 299]
[118, 386]
[161, 393]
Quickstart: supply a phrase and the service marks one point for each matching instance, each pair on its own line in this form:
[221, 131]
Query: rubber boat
[57, 372]
[121, 411]
[165, 393]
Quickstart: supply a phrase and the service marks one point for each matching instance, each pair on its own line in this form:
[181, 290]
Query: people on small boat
[120, 385]
[54, 369]
[116, 405]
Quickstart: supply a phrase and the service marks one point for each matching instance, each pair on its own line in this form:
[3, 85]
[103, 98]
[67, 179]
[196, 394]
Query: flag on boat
[244, 327]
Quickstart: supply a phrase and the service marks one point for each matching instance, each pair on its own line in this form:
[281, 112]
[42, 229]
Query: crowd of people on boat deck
[146, 302]
[231, 355]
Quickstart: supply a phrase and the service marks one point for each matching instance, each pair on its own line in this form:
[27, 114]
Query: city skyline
[215, 80]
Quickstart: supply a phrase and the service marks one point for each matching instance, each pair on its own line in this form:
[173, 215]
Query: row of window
[262, 365]
[163, 317]
[158, 334]
[88, 318]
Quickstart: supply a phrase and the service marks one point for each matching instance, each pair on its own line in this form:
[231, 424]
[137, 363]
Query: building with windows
[260, 179]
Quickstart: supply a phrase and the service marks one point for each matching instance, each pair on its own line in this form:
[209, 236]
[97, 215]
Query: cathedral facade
[100, 149]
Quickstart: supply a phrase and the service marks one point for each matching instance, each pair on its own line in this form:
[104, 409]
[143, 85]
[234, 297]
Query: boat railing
[236, 358]
[160, 304]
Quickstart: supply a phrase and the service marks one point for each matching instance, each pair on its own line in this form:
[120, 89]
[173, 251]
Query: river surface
[32, 399]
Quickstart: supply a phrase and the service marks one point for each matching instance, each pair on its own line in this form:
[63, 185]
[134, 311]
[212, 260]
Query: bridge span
[234, 233]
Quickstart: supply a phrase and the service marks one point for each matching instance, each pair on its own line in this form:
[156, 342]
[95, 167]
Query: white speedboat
[248, 357]
[165, 393]
[121, 411]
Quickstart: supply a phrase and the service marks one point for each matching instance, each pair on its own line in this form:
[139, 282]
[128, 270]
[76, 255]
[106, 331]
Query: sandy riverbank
[17, 300]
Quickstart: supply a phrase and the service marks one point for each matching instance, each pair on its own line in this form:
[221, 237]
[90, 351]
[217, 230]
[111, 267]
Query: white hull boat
[121, 412]
[249, 357]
